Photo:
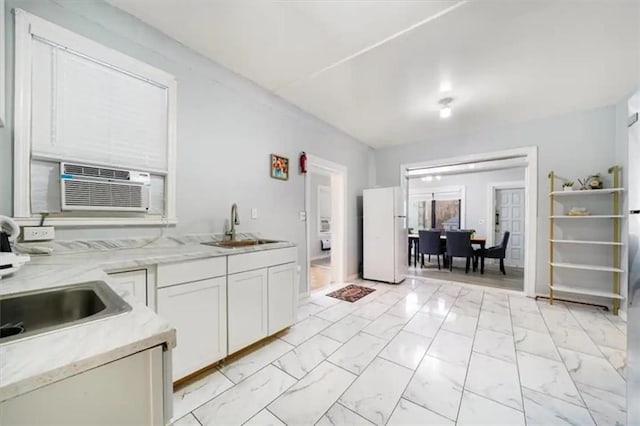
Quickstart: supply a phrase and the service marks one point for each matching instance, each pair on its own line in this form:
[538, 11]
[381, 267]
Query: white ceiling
[373, 68]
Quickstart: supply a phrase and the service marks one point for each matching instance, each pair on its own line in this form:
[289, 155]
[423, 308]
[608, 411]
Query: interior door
[510, 217]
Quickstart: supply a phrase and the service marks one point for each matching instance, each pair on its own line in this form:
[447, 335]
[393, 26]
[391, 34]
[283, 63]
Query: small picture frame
[279, 167]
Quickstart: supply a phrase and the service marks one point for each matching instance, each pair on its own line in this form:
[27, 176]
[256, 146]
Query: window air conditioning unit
[94, 188]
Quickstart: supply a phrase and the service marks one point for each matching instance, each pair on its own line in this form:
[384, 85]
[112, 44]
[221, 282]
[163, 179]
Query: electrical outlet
[254, 213]
[303, 215]
[38, 233]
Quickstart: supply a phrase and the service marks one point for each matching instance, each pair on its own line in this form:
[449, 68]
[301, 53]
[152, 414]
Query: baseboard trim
[320, 257]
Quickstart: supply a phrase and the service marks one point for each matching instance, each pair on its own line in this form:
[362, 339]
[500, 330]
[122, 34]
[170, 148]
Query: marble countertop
[39, 360]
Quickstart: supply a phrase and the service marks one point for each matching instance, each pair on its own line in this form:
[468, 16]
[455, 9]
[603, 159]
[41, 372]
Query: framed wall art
[279, 167]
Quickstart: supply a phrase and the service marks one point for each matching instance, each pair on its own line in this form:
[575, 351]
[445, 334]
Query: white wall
[314, 236]
[476, 186]
[574, 145]
[227, 127]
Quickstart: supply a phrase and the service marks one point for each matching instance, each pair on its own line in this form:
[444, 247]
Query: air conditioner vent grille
[98, 172]
[79, 193]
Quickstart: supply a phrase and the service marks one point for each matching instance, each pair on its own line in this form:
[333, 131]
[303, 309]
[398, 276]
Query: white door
[247, 308]
[133, 283]
[510, 212]
[198, 312]
[283, 297]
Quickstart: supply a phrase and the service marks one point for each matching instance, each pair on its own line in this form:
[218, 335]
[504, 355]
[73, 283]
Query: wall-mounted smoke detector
[445, 107]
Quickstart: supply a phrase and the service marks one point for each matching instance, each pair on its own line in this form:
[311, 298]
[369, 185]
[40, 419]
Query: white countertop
[39, 360]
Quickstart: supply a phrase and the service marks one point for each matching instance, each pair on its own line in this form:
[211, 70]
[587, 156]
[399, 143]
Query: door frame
[526, 157]
[492, 188]
[338, 174]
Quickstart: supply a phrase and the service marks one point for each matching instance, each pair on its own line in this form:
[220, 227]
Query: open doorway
[492, 197]
[325, 206]
[319, 219]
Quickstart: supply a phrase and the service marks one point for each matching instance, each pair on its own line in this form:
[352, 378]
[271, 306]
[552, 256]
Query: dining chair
[459, 245]
[431, 243]
[499, 251]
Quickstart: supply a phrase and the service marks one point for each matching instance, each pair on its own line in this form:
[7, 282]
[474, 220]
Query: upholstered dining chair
[459, 245]
[499, 251]
[431, 243]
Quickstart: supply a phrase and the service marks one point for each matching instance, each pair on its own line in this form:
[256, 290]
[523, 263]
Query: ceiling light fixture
[438, 177]
[445, 86]
[445, 107]
[427, 179]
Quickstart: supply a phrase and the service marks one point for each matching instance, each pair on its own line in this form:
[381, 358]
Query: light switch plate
[303, 215]
[38, 233]
[254, 213]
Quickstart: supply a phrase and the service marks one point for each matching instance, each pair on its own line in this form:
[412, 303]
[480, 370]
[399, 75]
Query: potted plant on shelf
[567, 186]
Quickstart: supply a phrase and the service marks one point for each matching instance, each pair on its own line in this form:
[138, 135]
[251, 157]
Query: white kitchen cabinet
[131, 282]
[128, 391]
[247, 308]
[198, 311]
[283, 297]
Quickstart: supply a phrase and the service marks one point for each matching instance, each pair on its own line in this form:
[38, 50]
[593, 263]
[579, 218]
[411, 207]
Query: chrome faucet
[235, 220]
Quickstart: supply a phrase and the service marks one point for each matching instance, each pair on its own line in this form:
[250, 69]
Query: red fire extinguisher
[303, 163]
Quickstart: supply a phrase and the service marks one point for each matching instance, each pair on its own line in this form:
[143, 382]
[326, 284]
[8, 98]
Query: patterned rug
[351, 293]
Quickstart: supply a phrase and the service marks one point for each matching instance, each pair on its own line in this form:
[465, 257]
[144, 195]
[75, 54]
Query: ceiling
[374, 68]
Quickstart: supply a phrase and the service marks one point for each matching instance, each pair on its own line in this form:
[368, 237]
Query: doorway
[319, 219]
[326, 227]
[433, 173]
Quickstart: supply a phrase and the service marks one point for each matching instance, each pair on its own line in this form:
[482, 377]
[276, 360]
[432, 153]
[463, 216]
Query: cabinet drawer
[191, 270]
[261, 259]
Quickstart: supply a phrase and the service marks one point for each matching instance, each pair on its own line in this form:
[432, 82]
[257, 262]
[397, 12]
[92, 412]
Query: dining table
[414, 243]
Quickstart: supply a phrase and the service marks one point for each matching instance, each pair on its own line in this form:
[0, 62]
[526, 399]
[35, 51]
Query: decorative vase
[567, 188]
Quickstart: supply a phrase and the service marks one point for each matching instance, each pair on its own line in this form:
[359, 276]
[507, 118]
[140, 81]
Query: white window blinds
[88, 111]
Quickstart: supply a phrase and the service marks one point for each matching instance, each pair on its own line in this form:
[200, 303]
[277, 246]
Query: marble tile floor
[420, 353]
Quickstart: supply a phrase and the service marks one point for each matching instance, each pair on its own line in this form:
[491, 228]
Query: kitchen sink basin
[238, 243]
[31, 313]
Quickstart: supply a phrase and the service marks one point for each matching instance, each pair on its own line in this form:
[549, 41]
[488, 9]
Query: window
[78, 101]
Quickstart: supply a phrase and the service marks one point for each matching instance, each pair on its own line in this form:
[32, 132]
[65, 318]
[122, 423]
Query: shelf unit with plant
[611, 197]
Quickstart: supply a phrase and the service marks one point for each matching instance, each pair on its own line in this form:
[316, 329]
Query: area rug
[351, 293]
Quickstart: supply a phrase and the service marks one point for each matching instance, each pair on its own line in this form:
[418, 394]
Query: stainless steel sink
[30, 313]
[238, 243]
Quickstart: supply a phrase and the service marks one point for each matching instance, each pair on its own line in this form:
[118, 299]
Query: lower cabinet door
[247, 308]
[198, 312]
[133, 282]
[283, 297]
[128, 391]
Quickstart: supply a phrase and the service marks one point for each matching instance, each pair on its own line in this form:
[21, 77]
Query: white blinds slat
[97, 113]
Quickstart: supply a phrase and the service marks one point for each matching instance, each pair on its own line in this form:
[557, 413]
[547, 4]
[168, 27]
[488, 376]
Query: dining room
[467, 224]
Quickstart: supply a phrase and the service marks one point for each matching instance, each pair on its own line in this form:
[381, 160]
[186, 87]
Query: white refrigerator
[384, 235]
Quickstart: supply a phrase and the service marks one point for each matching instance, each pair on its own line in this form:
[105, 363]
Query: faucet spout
[234, 221]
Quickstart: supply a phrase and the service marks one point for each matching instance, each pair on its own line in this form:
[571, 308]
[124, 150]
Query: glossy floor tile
[375, 393]
[420, 353]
